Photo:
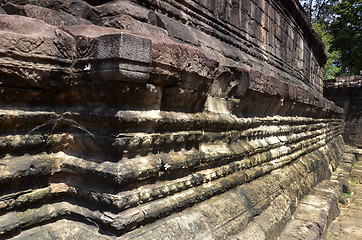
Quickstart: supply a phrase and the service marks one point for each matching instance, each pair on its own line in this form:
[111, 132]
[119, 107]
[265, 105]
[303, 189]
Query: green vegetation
[330, 69]
[339, 24]
[346, 30]
[348, 194]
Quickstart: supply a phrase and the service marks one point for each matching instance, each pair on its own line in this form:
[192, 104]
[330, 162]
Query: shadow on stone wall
[346, 92]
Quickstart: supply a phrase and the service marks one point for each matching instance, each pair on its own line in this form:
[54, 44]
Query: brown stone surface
[161, 119]
[348, 224]
[315, 215]
[346, 92]
[248, 34]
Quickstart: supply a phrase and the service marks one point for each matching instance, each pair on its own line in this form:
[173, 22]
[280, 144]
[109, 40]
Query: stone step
[316, 212]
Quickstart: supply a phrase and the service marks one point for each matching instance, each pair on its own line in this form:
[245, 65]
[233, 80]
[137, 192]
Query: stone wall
[160, 119]
[346, 92]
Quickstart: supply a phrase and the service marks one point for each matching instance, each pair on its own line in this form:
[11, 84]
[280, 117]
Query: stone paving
[348, 225]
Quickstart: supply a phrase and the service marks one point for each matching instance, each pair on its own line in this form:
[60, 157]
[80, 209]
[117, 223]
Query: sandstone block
[122, 57]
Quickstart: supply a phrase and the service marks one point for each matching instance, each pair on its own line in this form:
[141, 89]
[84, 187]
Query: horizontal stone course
[316, 211]
[162, 120]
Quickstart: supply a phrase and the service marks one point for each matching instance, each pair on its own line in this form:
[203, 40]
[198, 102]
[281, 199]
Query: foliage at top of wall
[339, 24]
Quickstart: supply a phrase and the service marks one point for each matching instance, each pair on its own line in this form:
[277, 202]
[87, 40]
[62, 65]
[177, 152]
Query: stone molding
[159, 119]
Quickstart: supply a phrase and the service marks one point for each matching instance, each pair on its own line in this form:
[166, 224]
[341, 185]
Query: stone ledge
[316, 211]
[354, 81]
[186, 76]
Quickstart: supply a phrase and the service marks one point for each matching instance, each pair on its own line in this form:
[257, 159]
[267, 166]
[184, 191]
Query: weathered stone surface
[346, 92]
[348, 224]
[47, 15]
[162, 119]
[316, 211]
[25, 39]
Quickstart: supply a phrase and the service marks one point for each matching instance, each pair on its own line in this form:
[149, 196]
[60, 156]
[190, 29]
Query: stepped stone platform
[348, 224]
[315, 216]
[192, 119]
